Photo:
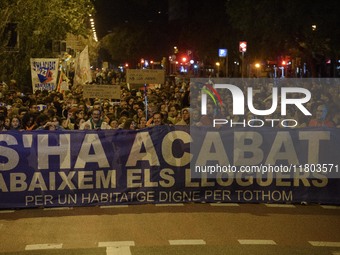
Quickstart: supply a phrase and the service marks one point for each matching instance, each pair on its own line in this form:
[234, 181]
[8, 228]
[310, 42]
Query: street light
[257, 66]
[218, 68]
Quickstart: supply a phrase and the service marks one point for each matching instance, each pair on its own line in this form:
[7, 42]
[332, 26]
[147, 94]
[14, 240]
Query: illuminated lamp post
[257, 66]
[218, 68]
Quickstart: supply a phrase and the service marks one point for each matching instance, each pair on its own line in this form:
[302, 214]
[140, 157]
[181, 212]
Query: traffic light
[243, 46]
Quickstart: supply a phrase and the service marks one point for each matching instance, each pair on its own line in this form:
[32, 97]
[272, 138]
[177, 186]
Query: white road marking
[255, 241]
[113, 206]
[224, 204]
[177, 204]
[44, 246]
[280, 205]
[330, 207]
[116, 244]
[325, 244]
[57, 208]
[124, 250]
[7, 211]
[187, 242]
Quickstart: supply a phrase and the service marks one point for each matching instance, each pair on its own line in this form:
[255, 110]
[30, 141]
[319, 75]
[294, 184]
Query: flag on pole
[82, 68]
[62, 82]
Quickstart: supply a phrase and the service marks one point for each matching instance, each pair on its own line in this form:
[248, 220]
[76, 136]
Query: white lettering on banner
[11, 155]
[264, 195]
[63, 151]
[99, 156]
[167, 148]
[118, 197]
[46, 64]
[217, 195]
[227, 179]
[219, 154]
[243, 147]
[138, 178]
[143, 139]
[67, 199]
[282, 139]
[72, 180]
[212, 148]
[39, 200]
[314, 139]
[179, 196]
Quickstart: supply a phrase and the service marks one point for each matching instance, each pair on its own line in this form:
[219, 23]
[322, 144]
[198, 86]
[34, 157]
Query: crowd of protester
[171, 103]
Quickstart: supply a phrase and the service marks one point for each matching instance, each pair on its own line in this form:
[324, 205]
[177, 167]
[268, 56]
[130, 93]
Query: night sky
[111, 13]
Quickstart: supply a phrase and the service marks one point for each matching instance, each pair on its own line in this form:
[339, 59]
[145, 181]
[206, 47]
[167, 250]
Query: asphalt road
[173, 229]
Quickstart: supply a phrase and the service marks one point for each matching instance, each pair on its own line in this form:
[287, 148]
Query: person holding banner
[95, 122]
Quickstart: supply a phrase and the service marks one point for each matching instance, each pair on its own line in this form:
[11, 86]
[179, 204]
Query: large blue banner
[155, 165]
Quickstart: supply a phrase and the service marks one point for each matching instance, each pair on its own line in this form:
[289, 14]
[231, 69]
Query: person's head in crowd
[41, 120]
[152, 108]
[174, 111]
[78, 123]
[95, 122]
[96, 115]
[53, 124]
[2, 123]
[50, 113]
[121, 121]
[178, 117]
[106, 118]
[34, 107]
[22, 111]
[28, 121]
[141, 122]
[80, 114]
[97, 106]
[15, 123]
[123, 104]
[124, 113]
[207, 120]
[57, 120]
[111, 109]
[321, 112]
[71, 114]
[3, 110]
[129, 124]
[322, 118]
[140, 113]
[7, 122]
[185, 120]
[82, 106]
[131, 100]
[195, 116]
[165, 115]
[157, 119]
[114, 123]
[163, 107]
[135, 106]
